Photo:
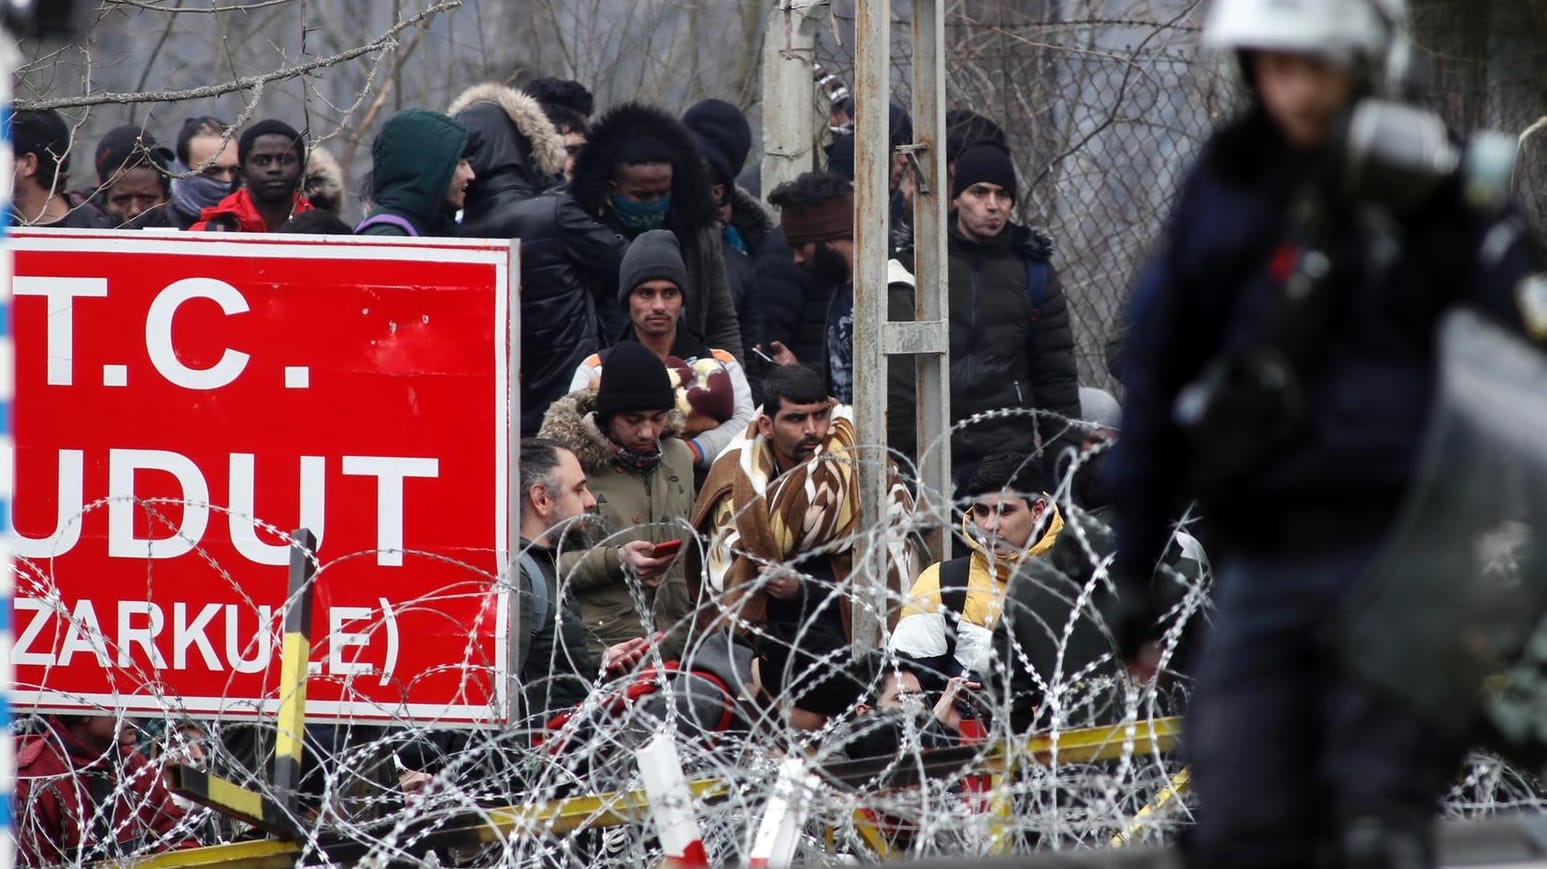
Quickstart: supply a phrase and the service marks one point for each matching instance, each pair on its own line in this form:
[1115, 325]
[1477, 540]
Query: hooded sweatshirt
[413, 160]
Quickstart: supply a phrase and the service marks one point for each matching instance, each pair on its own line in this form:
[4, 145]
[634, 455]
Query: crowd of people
[688, 473]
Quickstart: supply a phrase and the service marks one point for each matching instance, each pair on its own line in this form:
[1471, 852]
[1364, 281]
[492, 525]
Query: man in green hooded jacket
[419, 175]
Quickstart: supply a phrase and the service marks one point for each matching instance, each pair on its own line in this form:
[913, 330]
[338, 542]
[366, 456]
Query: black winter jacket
[794, 309]
[568, 260]
[753, 225]
[559, 667]
[1006, 350]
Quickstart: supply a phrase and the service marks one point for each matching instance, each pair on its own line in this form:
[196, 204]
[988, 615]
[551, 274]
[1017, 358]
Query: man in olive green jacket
[625, 435]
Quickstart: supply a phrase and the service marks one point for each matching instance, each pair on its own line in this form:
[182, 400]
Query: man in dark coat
[133, 178]
[639, 170]
[1011, 343]
[568, 259]
[725, 138]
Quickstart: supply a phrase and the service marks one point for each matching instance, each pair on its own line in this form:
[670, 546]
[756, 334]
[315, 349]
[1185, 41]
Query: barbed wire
[380, 784]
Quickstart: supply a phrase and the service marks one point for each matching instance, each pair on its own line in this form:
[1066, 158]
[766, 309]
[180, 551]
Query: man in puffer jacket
[419, 176]
[639, 170]
[568, 259]
[1012, 347]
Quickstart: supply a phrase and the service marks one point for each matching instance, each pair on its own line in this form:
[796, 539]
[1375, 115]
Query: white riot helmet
[1346, 32]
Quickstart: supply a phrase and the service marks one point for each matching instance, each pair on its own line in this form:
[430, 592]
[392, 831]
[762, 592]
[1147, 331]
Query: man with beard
[271, 155]
[419, 176]
[780, 510]
[624, 434]
[557, 667]
[712, 390]
[816, 212]
[639, 170]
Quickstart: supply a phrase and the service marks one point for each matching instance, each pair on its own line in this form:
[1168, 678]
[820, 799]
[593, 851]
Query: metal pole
[789, 120]
[872, 165]
[931, 297]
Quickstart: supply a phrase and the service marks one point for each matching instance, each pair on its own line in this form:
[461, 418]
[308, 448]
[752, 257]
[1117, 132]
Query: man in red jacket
[271, 156]
[81, 796]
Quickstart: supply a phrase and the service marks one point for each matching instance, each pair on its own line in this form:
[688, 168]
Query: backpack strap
[384, 219]
[953, 599]
[537, 584]
[1036, 285]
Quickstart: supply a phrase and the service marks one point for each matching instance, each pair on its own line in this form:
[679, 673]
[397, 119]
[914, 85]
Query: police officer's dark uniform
[1280, 366]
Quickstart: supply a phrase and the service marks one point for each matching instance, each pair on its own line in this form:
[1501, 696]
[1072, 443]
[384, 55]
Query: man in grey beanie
[711, 387]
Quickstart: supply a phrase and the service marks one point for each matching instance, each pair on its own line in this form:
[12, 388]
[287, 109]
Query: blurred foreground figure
[1280, 369]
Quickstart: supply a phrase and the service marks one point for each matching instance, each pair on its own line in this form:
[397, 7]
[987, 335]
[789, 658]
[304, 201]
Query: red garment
[240, 207]
[56, 777]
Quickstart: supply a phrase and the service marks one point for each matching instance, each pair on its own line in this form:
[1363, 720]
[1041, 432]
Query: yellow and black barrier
[274, 816]
[295, 655]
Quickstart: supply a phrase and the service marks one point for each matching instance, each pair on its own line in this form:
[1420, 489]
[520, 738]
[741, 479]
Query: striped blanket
[751, 516]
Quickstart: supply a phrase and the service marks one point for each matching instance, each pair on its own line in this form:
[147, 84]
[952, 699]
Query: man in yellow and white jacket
[948, 619]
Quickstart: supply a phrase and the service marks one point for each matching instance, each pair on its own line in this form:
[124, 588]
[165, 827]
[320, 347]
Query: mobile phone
[665, 548]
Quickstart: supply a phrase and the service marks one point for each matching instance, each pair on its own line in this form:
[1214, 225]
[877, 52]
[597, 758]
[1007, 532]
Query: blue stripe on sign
[6, 616]
[5, 517]
[5, 314]
[5, 814]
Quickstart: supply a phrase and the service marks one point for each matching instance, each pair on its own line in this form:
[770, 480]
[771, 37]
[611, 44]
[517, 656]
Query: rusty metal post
[931, 296]
[872, 165]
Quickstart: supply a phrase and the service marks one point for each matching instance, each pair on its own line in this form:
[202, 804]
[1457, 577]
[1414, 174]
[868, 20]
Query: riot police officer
[1279, 368]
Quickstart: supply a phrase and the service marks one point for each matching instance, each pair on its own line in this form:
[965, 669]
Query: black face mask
[826, 267]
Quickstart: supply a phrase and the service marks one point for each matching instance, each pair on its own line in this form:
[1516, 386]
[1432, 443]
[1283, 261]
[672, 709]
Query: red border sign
[184, 400]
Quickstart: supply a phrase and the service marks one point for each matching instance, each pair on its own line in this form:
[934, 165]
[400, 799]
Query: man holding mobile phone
[625, 434]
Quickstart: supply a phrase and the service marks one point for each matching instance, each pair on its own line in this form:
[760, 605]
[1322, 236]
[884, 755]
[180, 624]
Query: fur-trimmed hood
[750, 218]
[323, 182]
[511, 142]
[571, 421]
[692, 209]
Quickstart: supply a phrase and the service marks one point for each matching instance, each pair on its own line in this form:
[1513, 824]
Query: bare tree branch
[254, 82]
[179, 10]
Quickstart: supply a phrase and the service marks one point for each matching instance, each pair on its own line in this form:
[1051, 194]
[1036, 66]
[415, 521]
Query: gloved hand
[1133, 617]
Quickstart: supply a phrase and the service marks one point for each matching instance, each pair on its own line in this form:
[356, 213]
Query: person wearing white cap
[1280, 368]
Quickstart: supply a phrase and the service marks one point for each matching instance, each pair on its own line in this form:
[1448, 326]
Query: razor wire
[383, 784]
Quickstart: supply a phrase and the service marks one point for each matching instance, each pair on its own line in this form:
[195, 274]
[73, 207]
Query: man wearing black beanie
[725, 139]
[271, 157]
[1011, 343]
[625, 434]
